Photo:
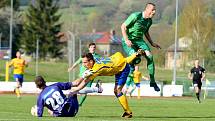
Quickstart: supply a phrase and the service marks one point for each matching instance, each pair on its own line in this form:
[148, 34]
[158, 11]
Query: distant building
[107, 42]
[182, 53]
[182, 60]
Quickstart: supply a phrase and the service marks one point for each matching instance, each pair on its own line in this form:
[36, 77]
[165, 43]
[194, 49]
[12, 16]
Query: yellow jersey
[109, 66]
[137, 76]
[18, 64]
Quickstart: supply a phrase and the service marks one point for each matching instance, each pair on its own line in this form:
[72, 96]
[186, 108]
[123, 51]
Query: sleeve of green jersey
[78, 61]
[131, 19]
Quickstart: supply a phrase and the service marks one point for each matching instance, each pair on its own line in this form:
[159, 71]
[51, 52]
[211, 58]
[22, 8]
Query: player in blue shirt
[55, 100]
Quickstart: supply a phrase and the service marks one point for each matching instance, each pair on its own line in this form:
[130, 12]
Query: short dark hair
[89, 56]
[150, 4]
[40, 82]
[92, 43]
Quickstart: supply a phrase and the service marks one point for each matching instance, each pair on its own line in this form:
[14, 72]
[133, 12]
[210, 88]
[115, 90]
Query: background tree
[5, 25]
[196, 23]
[42, 23]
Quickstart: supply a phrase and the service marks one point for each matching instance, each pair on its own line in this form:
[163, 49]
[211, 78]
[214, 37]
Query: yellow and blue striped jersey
[108, 66]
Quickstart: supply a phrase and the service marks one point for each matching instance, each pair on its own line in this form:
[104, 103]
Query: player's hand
[128, 42]
[156, 45]
[72, 92]
[87, 73]
[69, 69]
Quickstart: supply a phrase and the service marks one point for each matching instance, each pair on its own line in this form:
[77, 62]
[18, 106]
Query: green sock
[82, 99]
[151, 68]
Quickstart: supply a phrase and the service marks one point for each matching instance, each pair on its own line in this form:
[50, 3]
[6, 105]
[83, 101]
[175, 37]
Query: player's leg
[133, 87]
[71, 106]
[150, 62]
[127, 84]
[129, 51]
[196, 89]
[119, 83]
[19, 80]
[83, 97]
[199, 91]
[151, 69]
[138, 89]
[96, 89]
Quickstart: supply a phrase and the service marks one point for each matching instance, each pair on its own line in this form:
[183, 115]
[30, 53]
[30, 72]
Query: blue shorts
[71, 107]
[137, 85]
[122, 76]
[20, 78]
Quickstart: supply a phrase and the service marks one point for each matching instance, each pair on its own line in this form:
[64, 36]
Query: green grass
[105, 108]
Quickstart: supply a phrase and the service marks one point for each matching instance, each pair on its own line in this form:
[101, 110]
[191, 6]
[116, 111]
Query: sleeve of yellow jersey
[93, 76]
[11, 62]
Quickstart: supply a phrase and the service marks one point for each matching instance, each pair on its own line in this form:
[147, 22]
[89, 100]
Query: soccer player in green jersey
[133, 29]
[92, 48]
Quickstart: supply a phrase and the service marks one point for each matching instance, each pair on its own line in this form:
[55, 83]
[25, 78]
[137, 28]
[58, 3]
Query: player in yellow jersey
[19, 65]
[114, 65]
[134, 81]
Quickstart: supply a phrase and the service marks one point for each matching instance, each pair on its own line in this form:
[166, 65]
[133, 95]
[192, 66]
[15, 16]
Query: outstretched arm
[203, 76]
[25, 63]
[80, 86]
[190, 76]
[10, 63]
[74, 65]
[148, 37]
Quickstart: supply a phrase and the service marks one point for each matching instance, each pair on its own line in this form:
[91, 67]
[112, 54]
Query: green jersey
[137, 26]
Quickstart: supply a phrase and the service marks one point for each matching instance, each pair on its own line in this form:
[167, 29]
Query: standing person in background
[133, 29]
[197, 74]
[134, 82]
[92, 49]
[19, 65]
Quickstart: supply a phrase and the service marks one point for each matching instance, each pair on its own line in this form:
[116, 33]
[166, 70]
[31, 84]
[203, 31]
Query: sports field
[105, 108]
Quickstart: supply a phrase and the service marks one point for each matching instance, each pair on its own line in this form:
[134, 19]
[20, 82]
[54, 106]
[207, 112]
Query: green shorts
[137, 44]
[129, 81]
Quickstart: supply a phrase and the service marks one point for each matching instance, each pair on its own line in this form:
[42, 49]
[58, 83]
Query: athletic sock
[17, 92]
[151, 68]
[124, 103]
[138, 93]
[197, 95]
[82, 99]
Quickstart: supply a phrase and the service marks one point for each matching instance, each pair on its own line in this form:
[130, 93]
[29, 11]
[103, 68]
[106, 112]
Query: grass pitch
[105, 108]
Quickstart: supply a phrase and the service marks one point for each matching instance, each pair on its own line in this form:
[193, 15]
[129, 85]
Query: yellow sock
[123, 101]
[17, 92]
[138, 93]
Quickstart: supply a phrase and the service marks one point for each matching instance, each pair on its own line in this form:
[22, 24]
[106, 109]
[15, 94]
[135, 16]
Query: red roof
[101, 37]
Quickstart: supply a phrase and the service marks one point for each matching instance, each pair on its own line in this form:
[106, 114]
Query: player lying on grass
[114, 65]
[56, 101]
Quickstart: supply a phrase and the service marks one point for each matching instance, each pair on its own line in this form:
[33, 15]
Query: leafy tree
[42, 23]
[197, 24]
[4, 3]
[5, 25]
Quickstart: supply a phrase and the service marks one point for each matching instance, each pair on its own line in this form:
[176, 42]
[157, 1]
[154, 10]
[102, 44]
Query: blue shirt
[53, 98]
